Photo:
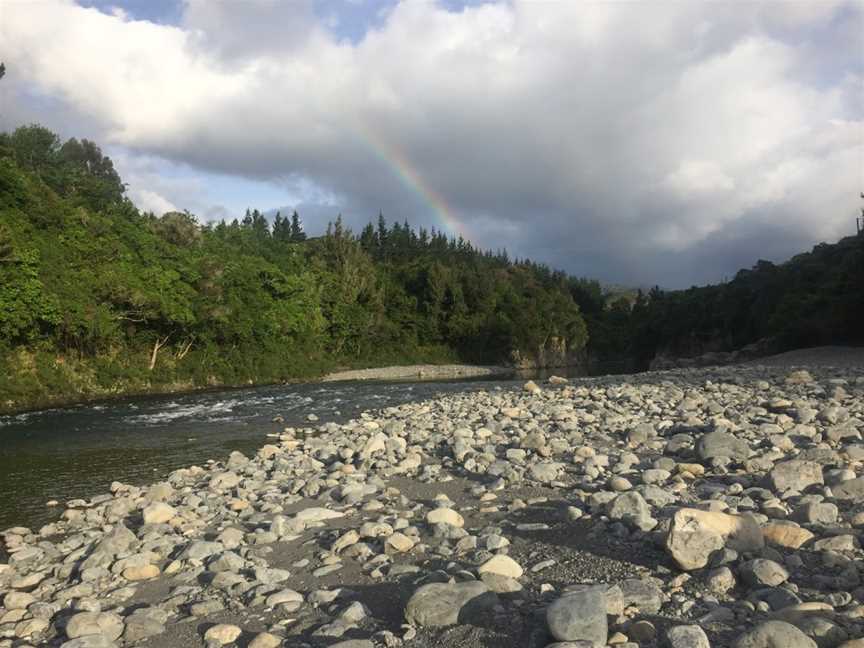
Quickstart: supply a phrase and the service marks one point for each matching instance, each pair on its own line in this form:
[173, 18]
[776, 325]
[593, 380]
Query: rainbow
[408, 176]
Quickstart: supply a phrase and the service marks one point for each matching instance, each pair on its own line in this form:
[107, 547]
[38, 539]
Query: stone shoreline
[420, 372]
[689, 508]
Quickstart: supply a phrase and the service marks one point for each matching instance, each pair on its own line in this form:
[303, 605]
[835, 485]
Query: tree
[281, 228]
[87, 173]
[35, 148]
[297, 234]
[383, 236]
[2, 70]
[178, 228]
[368, 240]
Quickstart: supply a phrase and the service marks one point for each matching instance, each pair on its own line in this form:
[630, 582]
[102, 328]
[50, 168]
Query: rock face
[552, 353]
[695, 535]
[580, 615]
[445, 604]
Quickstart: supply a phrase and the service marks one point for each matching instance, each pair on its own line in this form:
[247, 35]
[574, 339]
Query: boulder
[786, 535]
[774, 634]
[222, 633]
[94, 623]
[851, 490]
[502, 565]
[722, 444]
[795, 475]
[762, 572]
[695, 534]
[687, 636]
[445, 516]
[444, 604]
[579, 615]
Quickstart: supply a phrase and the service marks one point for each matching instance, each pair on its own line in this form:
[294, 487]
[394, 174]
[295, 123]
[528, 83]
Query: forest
[815, 298]
[98, 298]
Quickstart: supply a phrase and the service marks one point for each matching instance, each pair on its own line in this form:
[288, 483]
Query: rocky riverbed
[690, 508]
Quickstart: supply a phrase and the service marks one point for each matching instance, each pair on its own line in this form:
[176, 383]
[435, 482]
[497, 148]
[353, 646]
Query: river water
[73, 452]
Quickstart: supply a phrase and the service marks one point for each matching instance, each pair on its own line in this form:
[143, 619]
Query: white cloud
[594, 133]
[150, 201]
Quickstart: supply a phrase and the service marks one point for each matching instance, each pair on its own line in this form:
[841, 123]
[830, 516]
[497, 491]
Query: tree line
[98, 297]
[815, 298]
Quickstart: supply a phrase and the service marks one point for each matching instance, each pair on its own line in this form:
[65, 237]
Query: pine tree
[297, 234]
[382, 236]
[281, 228]
[260, 225]
[368, 240]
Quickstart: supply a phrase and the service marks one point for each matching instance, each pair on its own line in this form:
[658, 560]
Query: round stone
[501, 565]
[445, 516]
[221, 634]
[687, 636]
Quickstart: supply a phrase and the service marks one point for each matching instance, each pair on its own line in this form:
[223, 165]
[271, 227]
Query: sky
[639, 143]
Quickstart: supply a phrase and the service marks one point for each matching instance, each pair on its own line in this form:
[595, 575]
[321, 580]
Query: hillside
[97, 298]
[815, 298]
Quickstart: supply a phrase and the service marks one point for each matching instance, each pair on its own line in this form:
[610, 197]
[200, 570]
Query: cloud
[151, 201]
[611, 139]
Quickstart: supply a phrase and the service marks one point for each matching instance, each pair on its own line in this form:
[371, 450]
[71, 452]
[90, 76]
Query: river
[76, 452]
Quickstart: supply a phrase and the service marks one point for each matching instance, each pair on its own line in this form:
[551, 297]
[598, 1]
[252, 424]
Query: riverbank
[719, 507]
[88, 391]
[421, 372]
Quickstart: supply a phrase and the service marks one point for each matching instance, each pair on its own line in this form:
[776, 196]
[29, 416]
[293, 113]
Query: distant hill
[815, 298]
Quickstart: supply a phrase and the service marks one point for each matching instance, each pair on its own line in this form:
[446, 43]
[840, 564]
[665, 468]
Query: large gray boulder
[580, 615]
[795, 475]
[722, 444]
[774, 634]
[443, 604]
[852, 489]
[687, 636]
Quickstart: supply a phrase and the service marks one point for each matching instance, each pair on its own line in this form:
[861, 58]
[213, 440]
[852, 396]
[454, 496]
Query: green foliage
[25, 308]
[813, 299]
[97, 298]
